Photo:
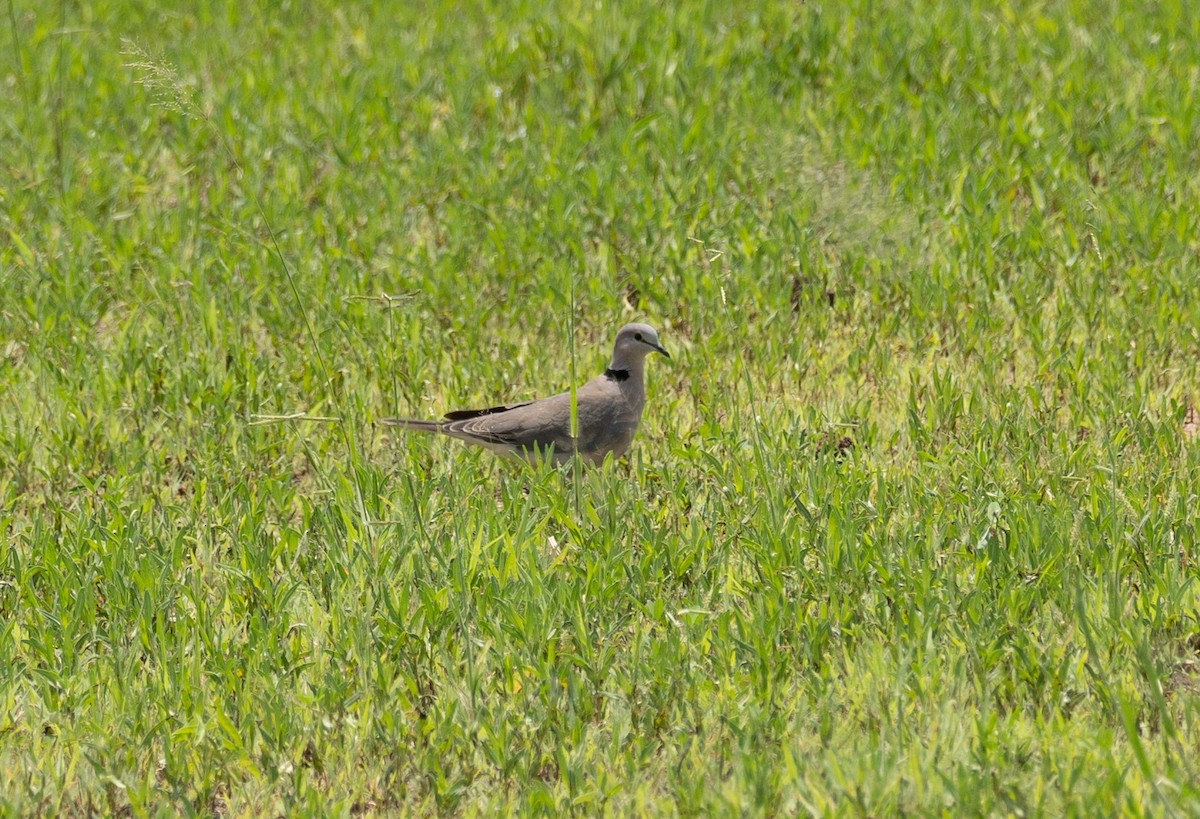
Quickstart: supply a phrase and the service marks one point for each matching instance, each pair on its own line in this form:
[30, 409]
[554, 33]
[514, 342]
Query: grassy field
[911, 522]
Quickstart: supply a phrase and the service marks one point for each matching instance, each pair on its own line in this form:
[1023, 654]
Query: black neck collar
[617, 375]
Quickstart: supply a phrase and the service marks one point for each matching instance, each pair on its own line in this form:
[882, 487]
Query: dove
[609, 409]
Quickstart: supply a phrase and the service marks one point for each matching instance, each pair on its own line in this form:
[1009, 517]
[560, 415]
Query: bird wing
[529, 425]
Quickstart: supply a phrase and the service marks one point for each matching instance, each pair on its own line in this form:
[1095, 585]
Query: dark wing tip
[463, 415]
[466, 415]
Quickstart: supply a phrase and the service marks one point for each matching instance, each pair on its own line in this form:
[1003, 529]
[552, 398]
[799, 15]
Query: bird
[609, 408]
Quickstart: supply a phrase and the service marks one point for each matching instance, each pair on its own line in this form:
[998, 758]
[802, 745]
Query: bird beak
[660, 349]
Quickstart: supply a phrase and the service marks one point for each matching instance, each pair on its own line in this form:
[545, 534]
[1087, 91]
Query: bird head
[634, 343]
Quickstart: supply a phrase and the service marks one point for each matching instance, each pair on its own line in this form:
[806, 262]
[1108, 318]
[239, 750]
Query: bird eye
[638, 336]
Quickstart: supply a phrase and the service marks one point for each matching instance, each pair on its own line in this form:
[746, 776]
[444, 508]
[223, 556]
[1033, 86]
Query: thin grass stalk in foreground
[391, 330]
[22, 83]
[577, 465]
[162, 79]
[59, 124]
[12, 21]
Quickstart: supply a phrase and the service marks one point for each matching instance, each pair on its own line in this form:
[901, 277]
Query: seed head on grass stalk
[162, 80]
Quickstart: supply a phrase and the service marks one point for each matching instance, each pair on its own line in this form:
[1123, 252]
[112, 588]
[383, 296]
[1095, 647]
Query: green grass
[961, 235]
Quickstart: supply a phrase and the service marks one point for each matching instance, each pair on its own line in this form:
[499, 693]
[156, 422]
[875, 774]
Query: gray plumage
[609, 408]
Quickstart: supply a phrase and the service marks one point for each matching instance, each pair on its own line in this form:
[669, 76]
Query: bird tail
[413, 423]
